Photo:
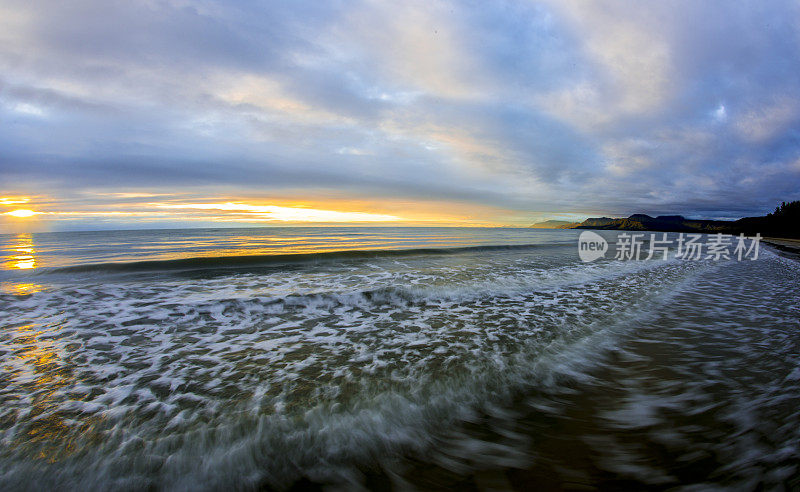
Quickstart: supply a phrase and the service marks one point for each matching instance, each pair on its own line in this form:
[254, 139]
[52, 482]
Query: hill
[783, 222]
[555, 224]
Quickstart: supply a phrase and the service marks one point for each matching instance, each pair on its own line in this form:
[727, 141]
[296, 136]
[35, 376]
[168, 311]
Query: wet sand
[784, 244]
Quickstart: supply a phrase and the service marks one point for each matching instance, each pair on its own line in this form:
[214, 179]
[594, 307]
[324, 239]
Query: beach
[784, 244]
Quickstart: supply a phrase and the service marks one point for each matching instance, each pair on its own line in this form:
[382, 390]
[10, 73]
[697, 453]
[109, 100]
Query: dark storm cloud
[602, 107]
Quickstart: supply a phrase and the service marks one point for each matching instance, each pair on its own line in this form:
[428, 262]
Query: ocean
[391, 358]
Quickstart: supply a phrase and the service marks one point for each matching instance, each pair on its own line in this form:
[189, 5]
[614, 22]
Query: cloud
[576, 107]
[628, 62]
[769, 120]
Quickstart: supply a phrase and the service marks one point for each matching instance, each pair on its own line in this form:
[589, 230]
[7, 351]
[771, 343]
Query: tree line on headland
[783, 222]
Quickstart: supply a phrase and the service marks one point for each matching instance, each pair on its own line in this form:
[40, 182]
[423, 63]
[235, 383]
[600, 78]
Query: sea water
[390, 357]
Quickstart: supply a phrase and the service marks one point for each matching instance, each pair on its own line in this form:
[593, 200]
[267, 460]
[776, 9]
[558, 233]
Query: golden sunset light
[20, 254]
[287, 214]
[13, 200]
[22, 289]
[22, 213]
[119, 207]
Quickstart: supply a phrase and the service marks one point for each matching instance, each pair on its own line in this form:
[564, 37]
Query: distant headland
[784, 222]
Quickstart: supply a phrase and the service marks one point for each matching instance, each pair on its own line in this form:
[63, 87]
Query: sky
[181, 113]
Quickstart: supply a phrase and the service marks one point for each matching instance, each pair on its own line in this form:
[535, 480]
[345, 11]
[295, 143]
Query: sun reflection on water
[38, 365]
[20, 253]
[22, 289]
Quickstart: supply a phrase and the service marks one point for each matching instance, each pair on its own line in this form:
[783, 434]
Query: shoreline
[791, 246]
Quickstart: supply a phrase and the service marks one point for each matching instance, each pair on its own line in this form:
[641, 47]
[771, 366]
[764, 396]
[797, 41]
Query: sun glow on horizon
[286, 214]
[121, 209]
[22, 213]
[14, 200]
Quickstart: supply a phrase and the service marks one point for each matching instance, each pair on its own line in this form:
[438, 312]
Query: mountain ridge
[783, 222]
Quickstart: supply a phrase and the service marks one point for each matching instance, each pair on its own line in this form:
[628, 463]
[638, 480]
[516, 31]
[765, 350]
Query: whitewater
[372, 357]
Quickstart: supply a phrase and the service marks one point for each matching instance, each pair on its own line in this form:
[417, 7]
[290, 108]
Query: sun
[22, 213]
